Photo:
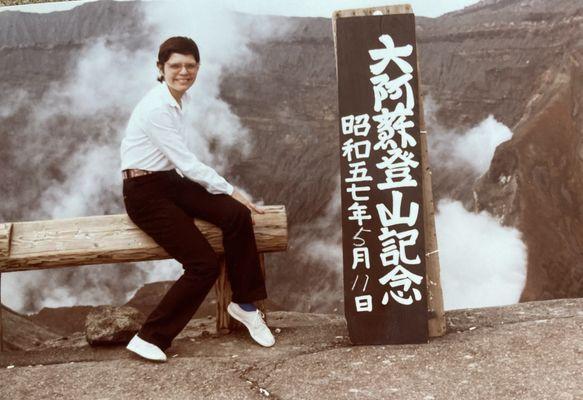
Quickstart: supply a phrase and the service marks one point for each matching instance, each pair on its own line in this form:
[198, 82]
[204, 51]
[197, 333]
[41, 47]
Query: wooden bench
[115, 239]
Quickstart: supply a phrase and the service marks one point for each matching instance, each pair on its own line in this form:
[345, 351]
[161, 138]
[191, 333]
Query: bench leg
[1, 331]
[225, 323]
[223, 294]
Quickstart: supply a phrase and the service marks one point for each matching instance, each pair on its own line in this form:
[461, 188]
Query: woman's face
[179, 72]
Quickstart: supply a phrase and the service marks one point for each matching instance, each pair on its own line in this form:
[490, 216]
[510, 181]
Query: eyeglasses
[178, 67]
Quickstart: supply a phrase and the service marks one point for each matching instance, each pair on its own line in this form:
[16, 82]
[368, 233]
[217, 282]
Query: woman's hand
[237, 195]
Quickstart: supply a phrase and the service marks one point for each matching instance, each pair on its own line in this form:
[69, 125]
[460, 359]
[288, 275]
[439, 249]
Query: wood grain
[225, 323]
[436, 317]
[5, 231]
[115, 239]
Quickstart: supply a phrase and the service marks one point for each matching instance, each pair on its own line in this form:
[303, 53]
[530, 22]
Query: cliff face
[535, 182]
[522, 62]
[490, 58]
[518, 60]
[51, 41]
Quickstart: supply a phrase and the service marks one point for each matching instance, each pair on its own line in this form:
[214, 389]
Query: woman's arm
[237, 195]
[163, 132]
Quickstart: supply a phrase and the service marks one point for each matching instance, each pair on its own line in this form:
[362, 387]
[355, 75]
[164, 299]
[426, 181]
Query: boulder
[112, 325]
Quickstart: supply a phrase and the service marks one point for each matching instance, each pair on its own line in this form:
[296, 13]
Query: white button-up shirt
[155, 140]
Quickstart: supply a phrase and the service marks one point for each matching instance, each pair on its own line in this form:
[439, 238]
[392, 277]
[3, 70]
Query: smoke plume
[90, 108]
[482, 262]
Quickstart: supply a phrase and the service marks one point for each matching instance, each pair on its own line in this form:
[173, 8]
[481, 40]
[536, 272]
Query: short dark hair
[177, 44]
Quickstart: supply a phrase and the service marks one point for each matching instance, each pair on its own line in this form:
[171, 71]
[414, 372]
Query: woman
[163, 203]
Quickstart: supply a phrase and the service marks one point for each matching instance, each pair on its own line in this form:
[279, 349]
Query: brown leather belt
[132, 173]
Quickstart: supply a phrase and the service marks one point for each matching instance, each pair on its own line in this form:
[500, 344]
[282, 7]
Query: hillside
[517, 60]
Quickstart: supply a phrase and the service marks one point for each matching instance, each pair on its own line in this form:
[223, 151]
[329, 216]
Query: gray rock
[110, 324]
[524, 351]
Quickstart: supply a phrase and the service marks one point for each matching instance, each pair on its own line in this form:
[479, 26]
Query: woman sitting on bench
[163, 203]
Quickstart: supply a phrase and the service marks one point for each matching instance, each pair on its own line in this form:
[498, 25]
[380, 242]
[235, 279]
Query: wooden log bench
[115, 239]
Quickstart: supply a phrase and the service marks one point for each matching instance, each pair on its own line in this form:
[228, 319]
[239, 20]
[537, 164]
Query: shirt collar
[169, 99]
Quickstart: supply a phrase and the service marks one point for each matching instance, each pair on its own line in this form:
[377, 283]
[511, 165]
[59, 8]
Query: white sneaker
[145, 349]
[253, 320]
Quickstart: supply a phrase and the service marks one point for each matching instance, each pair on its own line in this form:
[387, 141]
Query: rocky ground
[526, 351]
[519, 61]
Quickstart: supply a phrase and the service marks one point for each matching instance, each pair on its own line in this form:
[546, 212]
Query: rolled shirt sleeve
[164, 133]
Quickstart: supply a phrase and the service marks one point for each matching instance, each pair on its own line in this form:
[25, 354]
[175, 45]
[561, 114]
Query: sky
[299, 8]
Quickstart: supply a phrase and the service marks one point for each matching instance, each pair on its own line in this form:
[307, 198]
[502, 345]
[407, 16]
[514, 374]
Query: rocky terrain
[530, 350]
[517, 60]
[521, 61]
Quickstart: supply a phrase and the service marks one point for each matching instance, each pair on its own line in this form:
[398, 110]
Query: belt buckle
[134, 173]
[130, 173]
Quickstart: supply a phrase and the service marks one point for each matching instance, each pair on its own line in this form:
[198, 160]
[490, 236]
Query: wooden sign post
[382, 175]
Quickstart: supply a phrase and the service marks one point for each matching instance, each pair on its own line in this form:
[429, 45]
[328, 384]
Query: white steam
[482, 263]
[472, 149]
[17, 99]
[88, 189]
[99, 93]
[91, 287]
[321, 243]
[476, 147]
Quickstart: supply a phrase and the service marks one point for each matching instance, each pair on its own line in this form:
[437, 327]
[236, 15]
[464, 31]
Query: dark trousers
[163, 205]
